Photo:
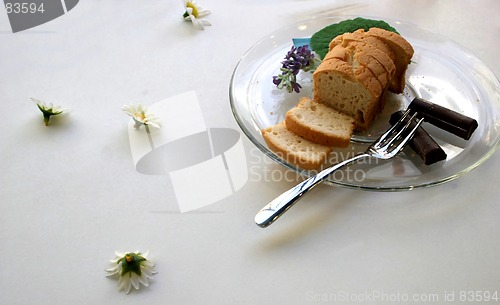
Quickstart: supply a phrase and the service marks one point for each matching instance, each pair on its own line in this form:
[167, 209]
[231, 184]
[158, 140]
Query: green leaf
[321, 39]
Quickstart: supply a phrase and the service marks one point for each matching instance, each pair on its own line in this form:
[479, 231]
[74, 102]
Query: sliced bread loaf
[320, 124]
[392, 44]
[295, 149]
[349, 88]
[403, 52]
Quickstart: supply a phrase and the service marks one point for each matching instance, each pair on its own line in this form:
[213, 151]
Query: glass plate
[441, 71]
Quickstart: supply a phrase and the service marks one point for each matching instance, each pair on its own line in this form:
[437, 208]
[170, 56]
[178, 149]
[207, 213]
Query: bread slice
[295, 149]
[403, 52]
[320, 124]
[349, 88]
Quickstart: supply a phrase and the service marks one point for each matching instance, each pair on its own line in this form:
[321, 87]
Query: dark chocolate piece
[444, 118]
[422, 143]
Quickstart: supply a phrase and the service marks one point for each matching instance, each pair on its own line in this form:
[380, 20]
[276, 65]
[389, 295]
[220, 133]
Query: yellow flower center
[128, 258]
[195, 9]
[141, 115]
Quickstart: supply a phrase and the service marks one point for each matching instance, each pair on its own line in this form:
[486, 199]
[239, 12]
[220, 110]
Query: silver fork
[385, 147]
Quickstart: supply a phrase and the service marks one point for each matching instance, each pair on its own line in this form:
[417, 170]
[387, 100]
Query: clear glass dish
[441, 71]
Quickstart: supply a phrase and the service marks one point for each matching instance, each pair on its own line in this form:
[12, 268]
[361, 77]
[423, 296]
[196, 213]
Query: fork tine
[407, 138]
[394, 136]
[389, 133]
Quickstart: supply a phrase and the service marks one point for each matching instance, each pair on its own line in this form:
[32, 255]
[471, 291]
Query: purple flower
[296, 59]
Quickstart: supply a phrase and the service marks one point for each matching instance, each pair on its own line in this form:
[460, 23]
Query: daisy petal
[198, 24]
[111, 271]
[147, 271]
[149, 264]
[203, 13]
[134, 278]
[143, 280]
[123, 281]
[127, 289]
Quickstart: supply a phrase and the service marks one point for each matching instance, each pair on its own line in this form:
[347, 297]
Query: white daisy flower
[141, 116]
[48, 110]
[132, 269]
[195, 13]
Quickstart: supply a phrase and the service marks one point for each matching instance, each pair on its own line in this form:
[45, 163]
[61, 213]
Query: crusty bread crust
[295, 149]
[320, 124]
[403, 52]
[380, 57]
[360, 36]
[360, 52]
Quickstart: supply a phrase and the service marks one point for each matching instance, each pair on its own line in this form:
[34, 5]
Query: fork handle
[273, 210]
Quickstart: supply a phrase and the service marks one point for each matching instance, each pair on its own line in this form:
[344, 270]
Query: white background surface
[70, 196]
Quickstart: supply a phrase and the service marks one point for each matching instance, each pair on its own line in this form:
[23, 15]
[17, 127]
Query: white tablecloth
[70, 194]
